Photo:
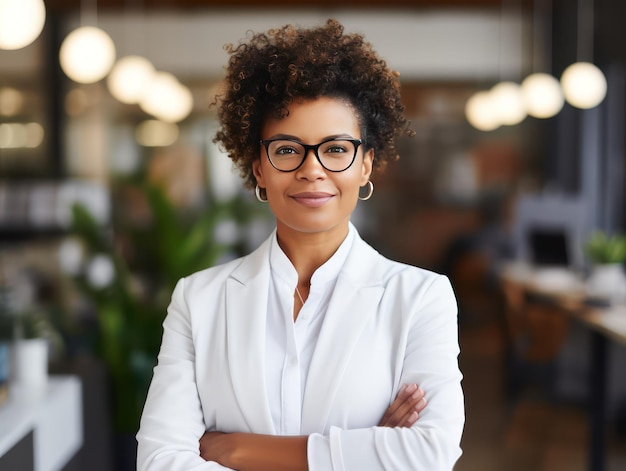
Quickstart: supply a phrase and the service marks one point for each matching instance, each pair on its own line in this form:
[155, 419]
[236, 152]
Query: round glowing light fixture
[129, 78]
[584, 85]
[542, 94]
[11, 101]
[35, 134]
[167, 99]
[509, 103]
[87, 54]
[21, 22]
[481, 113]
[154, 133]
[20, 135]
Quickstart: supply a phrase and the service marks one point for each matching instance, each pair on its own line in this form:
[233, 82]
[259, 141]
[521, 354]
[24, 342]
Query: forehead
[314, 120]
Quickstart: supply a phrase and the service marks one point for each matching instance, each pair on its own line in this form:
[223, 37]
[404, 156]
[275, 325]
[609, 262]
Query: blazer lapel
[246, 310]
[354, 301]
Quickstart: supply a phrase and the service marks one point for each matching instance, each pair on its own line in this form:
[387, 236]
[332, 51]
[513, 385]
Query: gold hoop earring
[257, 192]
[369, 193]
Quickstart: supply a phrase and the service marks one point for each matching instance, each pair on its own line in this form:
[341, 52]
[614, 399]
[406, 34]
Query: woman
[307, 353]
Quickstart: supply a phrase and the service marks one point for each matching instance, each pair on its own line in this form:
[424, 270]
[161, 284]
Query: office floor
[533, 432]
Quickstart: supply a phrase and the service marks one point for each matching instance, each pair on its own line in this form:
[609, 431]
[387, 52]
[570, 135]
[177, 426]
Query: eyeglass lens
[336, 155]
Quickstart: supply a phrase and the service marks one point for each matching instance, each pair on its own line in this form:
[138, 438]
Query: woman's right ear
[258, 173]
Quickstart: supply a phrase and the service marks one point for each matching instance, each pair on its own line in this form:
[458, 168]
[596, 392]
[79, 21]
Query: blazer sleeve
[430, 360]
[172, 421]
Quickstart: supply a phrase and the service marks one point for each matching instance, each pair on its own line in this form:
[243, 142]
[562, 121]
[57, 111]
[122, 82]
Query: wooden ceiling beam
[68, 5]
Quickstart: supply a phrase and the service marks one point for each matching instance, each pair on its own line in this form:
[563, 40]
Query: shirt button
[293, 361]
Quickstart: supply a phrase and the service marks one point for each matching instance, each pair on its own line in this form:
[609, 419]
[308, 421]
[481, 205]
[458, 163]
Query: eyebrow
[296, 138]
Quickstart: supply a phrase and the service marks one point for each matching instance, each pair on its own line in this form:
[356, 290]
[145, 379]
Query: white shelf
[53, 412]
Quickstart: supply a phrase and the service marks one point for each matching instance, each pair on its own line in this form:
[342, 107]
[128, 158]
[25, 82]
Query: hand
[405, 409]
[215, 446]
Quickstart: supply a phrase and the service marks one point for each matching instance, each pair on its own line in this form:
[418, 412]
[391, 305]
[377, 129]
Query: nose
[311, 168]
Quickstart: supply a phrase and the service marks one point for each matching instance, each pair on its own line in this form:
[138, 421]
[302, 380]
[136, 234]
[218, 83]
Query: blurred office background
[106, 199]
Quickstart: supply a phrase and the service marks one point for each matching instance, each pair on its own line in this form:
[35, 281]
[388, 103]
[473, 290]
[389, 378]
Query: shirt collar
[284, 269]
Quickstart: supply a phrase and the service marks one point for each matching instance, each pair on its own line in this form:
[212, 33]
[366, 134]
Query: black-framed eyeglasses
[288, 155]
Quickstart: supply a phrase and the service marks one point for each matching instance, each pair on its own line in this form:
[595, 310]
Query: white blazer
[387, 324]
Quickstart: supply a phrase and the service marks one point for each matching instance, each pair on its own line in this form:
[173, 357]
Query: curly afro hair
[274, 69]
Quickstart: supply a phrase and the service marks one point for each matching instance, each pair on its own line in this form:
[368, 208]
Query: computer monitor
[550, 230]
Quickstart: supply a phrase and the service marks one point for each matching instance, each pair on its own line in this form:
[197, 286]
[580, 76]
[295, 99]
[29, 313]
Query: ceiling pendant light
[542, 93]
[11, 101]
[167, 99]
[130, 78]
[154, 133]
[87, 53]
[503, 104]
[131, 74]
[584, 84]
[480, 112]
[21, 22]
[508, 102]
[506, 95]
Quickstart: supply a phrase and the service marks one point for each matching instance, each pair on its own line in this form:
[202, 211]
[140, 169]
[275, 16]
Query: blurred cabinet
[43, 208]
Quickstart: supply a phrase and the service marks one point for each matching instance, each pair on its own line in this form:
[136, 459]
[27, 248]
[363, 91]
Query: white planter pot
[607, 282]
[30, 362]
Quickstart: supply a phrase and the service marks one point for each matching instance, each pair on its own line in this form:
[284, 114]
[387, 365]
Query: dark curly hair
[272, 70]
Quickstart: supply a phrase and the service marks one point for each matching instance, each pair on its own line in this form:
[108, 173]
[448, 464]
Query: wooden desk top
[609, 321]
[568, 290]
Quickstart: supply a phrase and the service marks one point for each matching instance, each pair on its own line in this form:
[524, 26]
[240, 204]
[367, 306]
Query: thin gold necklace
[299, 295]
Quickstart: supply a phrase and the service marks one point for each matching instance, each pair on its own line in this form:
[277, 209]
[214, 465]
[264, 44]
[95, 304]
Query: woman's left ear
[366, 168]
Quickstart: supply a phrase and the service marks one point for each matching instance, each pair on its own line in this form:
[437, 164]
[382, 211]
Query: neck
[308, 251]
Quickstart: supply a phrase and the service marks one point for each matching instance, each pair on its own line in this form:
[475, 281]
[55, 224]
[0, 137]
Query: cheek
[353, 182]
[275, 185]
[349, 192]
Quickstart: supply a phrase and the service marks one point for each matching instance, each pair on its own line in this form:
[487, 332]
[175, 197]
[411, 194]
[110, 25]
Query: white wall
[421, 45]
[428, 45]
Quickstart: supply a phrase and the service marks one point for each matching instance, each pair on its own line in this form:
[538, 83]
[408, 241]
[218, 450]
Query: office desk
[568, 291]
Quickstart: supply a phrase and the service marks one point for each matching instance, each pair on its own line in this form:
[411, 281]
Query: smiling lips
[312, 199]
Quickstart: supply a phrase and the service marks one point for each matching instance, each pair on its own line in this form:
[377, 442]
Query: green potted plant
[26, 335]
[607, 253]
[604, 249]
[30, 348]
[130, 269]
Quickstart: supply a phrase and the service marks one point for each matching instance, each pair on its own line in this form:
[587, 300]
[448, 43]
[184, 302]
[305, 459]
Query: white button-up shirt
[290, 345]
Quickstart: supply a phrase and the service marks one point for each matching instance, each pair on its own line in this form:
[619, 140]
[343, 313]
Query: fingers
[406, 408]
[204, 444]
[207, 444]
